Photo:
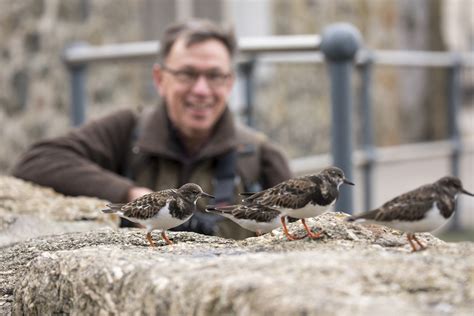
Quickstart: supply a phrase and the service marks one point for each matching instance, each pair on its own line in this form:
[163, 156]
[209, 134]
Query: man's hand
[136, 192]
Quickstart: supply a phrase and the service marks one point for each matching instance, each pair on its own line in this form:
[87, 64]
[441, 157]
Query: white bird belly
[254, 226]
[308, 211]
[162, 220]
[261, 227]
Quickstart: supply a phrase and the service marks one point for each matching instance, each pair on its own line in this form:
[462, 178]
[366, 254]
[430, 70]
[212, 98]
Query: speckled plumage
[421, 210]
[162, 209]
[302, 197]
[256, 218]
[150, 204]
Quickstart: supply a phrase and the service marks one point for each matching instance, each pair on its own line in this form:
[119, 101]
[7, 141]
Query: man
[190, 137]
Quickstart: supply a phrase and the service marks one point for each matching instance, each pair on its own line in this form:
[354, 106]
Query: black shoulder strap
[225, 178]
[135, 157]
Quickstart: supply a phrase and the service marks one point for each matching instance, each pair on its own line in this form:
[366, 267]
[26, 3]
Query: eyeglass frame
[190, 77]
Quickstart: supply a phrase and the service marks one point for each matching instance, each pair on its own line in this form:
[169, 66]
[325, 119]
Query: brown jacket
[90, 160]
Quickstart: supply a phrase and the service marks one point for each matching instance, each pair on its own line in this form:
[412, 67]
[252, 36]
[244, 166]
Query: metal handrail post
[77, 73]
[454, 102]
[368, 146]
[78, 99]
[339, 44]
[247, 69]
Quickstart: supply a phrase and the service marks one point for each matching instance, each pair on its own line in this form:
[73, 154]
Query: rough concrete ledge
[352, 270]
[26, 198]
[28, 210]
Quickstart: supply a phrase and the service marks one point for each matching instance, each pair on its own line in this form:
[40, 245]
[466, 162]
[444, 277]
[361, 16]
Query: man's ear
[231, 81]
[158, 78]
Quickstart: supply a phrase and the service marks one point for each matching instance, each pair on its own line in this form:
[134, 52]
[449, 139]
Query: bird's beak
[347, 181]
[207, 195]
[468, 193]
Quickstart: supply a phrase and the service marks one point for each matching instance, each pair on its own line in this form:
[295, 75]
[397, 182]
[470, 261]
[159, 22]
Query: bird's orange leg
[409, 237]
[310, 233]
[163, 234]
[422, 247]
[285, 230]
[150, 240]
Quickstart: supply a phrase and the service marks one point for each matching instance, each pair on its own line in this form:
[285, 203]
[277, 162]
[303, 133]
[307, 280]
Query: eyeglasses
[189, 77]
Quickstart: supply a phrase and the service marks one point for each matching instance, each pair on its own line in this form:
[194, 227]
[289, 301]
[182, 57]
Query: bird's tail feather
[211, 209]
[113, 208]
[246, 193]
[357, 218]
[219, 210]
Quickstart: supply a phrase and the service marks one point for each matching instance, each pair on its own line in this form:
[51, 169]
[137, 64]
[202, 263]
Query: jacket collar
[159, 137]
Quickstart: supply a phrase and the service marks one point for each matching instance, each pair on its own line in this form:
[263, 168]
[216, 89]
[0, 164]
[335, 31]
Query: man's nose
[201, 85]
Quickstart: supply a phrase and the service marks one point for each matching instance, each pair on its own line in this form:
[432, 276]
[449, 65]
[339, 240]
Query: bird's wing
[148, 205]
[294, 193]
[399, 209]
[254, 212]
[221, 209]
[246, 193]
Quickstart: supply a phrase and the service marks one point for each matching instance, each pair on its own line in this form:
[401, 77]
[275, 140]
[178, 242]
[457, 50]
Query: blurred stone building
[292, 101]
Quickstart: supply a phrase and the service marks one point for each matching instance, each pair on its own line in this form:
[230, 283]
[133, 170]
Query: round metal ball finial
[340, 41]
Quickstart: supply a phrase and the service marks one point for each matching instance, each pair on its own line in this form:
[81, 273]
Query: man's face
[194, 106]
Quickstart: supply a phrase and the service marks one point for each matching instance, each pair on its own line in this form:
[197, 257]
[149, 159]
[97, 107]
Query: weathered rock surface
[73, 266]
[28, 210]
[352, 270]
[21, 197]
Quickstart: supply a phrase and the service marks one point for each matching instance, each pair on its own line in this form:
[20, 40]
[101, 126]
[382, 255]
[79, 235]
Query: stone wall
[35, 92]
[34, 82]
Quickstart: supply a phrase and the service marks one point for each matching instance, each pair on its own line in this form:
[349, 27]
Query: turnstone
[302, 197]
[421, 210]
[161, 210]
[257, 218]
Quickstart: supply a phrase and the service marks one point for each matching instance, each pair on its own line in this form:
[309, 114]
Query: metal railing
[80, 53]
[340, 49]
[454, 62]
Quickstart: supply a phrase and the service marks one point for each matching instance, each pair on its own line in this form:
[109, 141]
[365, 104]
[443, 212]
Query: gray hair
[196, 31]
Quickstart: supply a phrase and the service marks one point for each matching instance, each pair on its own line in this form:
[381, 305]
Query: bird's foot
[315, 235]
[166, 239]
[293, 237]
[287, 234]
[411, 237]
[419, 249]
[150, 240]
[310, 233]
